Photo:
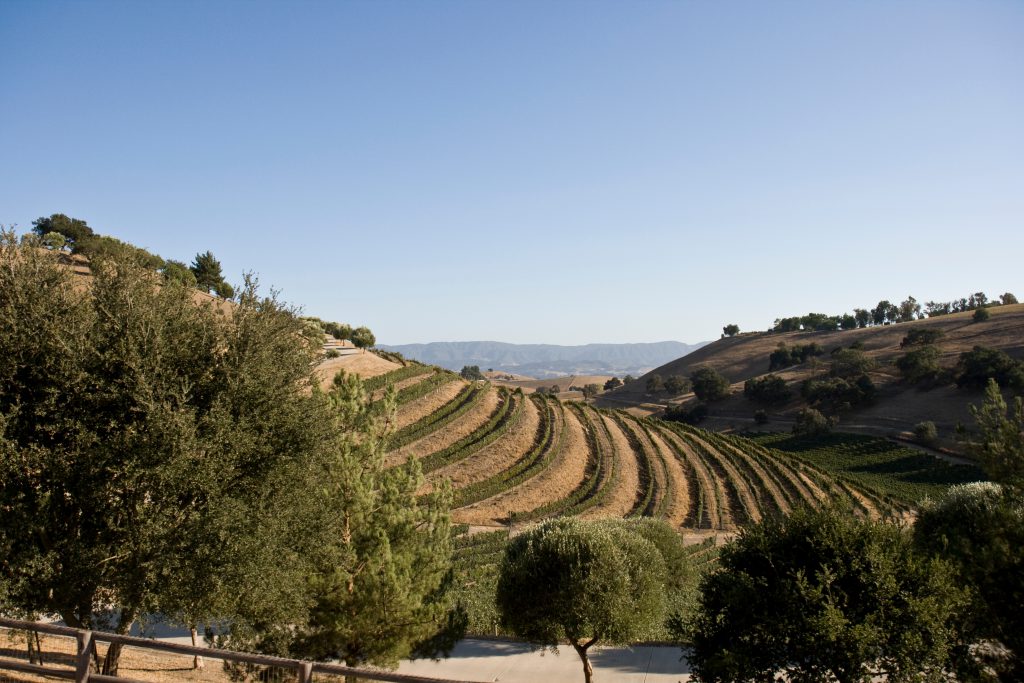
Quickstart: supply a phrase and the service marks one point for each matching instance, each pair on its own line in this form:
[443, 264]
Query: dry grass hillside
[898, 405]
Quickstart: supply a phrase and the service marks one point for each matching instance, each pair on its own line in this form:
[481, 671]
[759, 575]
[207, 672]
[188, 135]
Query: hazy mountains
[548, 360]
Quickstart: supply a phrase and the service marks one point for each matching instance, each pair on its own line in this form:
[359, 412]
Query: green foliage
[708, 384]
[613, 383]
[810, 422]
[768, 390]
[784, 356]
[926, 433]
[582, 582]
[688, 413]
[363, 338]
[655, 383]
[850, 363]
[978, 530]
[591, 390]
[396, 376]
[54, 240]
[999, 446]
[823, 596]
[157, 456]
[677, 384]
[628, 378]
[224, 290]
[1007, 299]
[921, 336]
[730, 330]
[979, 365]
[471, 372]
[981, 315]
[836, 394]
[140, 430]
[504, 415]
[919, 364]
[873, 463]
[74, 230]
[179, 272]
[382, 587]
[207, 270]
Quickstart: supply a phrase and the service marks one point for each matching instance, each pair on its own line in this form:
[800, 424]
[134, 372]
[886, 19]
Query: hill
[898, 405]
[544, 361]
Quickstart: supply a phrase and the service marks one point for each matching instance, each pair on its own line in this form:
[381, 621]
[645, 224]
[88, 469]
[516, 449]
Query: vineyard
[514, 458]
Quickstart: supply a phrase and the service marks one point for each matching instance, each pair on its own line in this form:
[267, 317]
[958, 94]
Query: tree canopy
[708, 384]
[823, 596]
[163, 456]
[586, 582]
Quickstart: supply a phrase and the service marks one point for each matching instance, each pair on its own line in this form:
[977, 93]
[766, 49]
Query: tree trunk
[197, 661]
[113, 658]
[588, 670]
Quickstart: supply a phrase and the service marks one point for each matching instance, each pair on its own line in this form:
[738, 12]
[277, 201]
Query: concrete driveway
[511, 662]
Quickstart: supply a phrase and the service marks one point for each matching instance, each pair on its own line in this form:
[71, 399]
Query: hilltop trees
[730, 330]
[584, 582]
[363, 338]
[821, 596]
[612, 384]
[74, 230]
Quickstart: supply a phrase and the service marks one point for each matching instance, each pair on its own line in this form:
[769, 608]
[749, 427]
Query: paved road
[509, 662]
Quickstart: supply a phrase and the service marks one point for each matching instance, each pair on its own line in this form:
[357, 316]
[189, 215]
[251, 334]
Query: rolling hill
[898, 405]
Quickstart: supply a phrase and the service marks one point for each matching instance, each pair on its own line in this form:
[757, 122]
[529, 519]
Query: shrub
[822, 596]
[693, 413]
[709, 384]
[770, 390]
[980, 364]
[981, 315]
[920, 336]
[919, 364]
[810, 422]
[926, 433]
[677, 384]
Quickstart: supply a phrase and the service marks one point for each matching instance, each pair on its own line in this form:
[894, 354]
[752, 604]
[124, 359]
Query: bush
[784, 356]
[769, 390]
[981, 315]
[677, 384]
[837, 393]
[920, 336]
[980, 364]
[919, 364]
[850, 363]
[810, 422]
[693, 414]
[709, 384]
[926, 433]
[471, 372]
[823, 596]
[975, 526]
[655, 383]
[613, 383]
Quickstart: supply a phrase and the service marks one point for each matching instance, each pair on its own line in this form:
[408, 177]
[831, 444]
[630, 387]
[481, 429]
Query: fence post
[83, 660]
[306, 672]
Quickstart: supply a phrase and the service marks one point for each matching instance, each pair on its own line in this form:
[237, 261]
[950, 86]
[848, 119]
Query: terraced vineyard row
[533, 457]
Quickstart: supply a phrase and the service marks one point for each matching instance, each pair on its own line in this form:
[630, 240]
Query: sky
[534, 172]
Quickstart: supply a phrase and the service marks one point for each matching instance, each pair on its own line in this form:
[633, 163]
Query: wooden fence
[77, 664]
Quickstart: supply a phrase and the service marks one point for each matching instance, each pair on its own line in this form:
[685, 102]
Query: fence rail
[78, 664]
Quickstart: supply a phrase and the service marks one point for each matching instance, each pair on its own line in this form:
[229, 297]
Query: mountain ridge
[548, 360]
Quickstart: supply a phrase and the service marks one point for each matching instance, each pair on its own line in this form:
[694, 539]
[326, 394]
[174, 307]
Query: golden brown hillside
[898, 405]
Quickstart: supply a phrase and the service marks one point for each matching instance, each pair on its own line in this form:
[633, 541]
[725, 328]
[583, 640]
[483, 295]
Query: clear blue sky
[554, 172]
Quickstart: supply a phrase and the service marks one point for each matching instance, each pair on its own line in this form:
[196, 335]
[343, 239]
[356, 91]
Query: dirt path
[679, 505]
[450, 433]
[565, 473]
[626, 486]
[747, 502]
[654, 457]
[497, 456]
[765, 479]
[425, 405]
[706, 481]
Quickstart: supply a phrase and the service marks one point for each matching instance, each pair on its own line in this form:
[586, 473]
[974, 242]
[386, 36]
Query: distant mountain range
[548, 360]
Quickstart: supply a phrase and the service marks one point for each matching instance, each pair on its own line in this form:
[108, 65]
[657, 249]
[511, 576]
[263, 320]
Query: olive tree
[824, 596]
[583, 582]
